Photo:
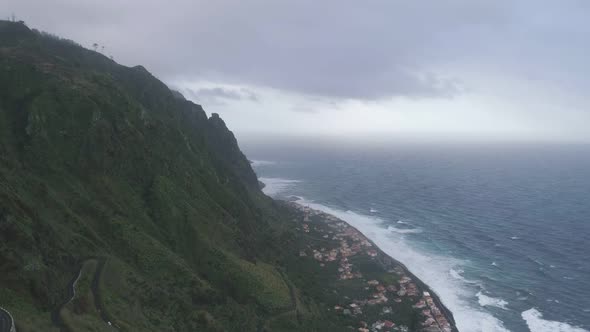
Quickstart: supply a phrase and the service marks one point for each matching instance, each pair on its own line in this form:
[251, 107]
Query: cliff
[123, 206]
[99, 161]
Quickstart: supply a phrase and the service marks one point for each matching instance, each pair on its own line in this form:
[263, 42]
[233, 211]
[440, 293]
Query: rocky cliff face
[102, 161]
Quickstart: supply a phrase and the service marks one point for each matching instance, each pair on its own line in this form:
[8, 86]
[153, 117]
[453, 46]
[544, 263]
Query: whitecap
[274, 186]
[433, 269]
[256, 163]
[515, 238]
[494, 264]
[373, 210]
[456, 274]
[486, 301]
[402, 222]
[404, 230]
[294, 198]
[536, 323]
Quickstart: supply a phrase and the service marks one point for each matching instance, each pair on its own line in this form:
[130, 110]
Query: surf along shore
[362, 286]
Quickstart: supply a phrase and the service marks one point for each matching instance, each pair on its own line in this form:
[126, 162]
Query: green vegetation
[98, 160]
[80, 313]
[107, 173]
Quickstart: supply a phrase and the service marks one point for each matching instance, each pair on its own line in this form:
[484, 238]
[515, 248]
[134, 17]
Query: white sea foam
[457, 275]
[401, 222]
[515, 238]
[373, 210]
[404, 230]
[255, 163]
[485, 300]
[273, 186]
[536, 323]
[430, 268]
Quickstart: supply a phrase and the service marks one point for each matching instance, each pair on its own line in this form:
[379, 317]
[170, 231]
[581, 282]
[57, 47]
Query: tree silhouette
[95, 46]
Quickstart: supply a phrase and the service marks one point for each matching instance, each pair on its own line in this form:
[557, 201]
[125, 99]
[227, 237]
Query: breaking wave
[273, 186]
[404, 230]
[485, 300]
[432, 269]
[256, 163]
[440, 273]
[535, 322]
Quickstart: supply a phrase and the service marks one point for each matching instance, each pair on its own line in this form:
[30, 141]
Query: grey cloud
[220, 95]
[334, 48]
[314, 105]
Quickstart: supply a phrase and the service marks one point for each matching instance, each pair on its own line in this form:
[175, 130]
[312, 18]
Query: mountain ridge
[103, 160]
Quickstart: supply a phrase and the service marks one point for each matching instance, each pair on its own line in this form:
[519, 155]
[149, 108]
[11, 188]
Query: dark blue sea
[501, 232]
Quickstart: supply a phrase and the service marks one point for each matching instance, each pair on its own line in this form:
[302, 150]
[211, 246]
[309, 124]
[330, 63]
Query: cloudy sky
[458, 69]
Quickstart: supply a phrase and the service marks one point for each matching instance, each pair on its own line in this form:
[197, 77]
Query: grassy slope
[102, 160]
[104, 170]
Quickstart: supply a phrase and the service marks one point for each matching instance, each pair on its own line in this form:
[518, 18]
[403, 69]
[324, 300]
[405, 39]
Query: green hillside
[104, 169]
[124, 207]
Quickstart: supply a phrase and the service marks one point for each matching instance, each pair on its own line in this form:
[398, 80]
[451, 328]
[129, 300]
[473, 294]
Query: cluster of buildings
[407, 287]
[352, 242]
[378, 297]
[324, 255]
[435, 320]
[378, 326]
[306, 228]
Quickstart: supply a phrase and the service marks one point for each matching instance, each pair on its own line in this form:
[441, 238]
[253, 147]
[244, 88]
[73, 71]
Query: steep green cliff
[123, 207]
[103, 167]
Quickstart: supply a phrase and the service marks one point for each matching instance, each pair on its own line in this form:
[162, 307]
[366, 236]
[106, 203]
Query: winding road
[6, 321]
[71, 294]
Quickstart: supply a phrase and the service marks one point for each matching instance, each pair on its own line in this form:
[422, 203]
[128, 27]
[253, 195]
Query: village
[376, 310]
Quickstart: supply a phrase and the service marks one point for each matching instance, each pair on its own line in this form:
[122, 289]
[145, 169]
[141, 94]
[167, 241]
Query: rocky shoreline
[355, 250]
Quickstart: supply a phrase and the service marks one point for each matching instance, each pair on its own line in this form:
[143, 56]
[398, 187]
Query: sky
[376, 69]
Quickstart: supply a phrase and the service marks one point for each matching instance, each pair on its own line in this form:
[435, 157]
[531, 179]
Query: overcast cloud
[528, 56]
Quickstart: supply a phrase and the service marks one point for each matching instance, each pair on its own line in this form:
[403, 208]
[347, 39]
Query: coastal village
[380, 290]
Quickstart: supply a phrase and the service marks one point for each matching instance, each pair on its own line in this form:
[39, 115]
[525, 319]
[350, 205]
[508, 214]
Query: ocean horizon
[498, 232]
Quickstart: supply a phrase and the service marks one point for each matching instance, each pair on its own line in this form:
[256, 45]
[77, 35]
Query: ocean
[500, 232]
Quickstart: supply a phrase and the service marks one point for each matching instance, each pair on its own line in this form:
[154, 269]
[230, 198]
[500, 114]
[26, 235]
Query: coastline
[427, 295]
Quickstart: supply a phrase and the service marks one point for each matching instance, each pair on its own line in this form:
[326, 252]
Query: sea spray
[274, 186]
[489, 301]
[536, 323]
